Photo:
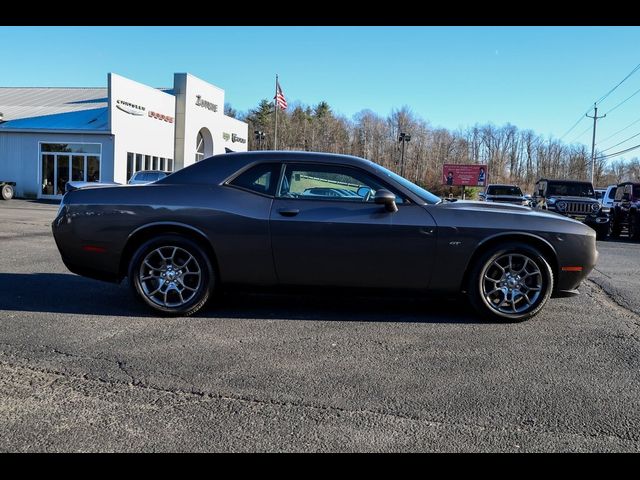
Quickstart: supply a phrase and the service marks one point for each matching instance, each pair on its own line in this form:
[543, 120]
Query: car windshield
[425, 195]
[504, 190]
[570, 189]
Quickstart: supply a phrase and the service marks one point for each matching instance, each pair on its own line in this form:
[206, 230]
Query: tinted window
[330, 182]
[262, 178]
[570, 189]
[504, 190]
[420, 192]
[612, 192]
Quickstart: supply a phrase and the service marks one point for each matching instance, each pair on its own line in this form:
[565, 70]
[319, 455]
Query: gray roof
[26, 102]
[44, 108]
[55, 108]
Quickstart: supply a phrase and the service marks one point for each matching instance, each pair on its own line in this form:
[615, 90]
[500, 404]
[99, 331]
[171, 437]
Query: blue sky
[539, 78]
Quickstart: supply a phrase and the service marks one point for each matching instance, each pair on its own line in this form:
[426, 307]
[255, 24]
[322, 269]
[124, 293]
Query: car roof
[226, 164]
[151, 171]
[502, 185]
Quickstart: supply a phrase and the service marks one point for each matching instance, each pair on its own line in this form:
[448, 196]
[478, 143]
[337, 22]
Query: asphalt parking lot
[85, 367]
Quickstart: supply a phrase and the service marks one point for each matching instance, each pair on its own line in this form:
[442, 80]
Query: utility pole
[593, 140]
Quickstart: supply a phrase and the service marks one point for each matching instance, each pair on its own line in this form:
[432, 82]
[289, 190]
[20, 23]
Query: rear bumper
[81, 261]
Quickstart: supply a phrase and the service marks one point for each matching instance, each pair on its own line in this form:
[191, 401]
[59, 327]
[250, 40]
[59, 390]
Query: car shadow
[72, 294]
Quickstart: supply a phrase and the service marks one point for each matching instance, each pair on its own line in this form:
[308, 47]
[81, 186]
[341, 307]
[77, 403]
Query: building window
[162, 164]
[138, 162]
[200, 147]
[147, 162]
[155, 163]
[129, 165]
[169, 165]
[64, 162]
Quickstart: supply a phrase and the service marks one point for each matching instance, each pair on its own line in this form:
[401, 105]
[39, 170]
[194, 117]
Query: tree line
[512, 155]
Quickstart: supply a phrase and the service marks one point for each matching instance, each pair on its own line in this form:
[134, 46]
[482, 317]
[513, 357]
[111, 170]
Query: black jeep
[575, 199]
[626, 210]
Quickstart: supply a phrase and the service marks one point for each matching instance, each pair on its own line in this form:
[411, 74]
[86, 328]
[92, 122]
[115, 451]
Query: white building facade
[49, 136]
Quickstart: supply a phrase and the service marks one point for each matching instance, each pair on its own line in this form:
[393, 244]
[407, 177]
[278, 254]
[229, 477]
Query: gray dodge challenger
[318, 220]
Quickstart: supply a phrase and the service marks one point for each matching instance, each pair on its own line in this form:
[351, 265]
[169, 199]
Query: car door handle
[289, 212]
[428, 230]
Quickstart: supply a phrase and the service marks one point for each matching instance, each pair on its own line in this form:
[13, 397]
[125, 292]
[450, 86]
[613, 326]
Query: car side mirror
[481, 195]
[386, 198]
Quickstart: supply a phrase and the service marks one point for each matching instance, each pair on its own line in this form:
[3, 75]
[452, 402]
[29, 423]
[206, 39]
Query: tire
[634, 226]
[614, 228]
[602, 232]
[491, 296]
[7, 192]
[177, 278]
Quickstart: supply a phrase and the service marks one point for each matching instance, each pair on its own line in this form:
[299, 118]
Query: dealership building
[51, 135]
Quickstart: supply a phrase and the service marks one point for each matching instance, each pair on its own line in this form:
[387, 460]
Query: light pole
[259, 138]
[404, 137]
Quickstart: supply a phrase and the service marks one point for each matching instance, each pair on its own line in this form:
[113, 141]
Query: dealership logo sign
[130, 108]
[206, 104]
[235, 138]
[161, 116]
[226, 136]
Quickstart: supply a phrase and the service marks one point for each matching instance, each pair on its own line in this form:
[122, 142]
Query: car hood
[507, 208]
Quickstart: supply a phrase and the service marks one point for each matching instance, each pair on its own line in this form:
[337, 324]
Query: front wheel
[510, 283]
[614, 228]
[602, 231]
[172, 275]
[7, 192]
[634, 226]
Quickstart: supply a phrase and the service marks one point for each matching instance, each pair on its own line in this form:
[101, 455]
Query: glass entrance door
[58, 169]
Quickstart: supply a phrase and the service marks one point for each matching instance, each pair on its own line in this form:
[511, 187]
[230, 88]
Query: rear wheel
[172, 275]
[7, 192]
[510, 283]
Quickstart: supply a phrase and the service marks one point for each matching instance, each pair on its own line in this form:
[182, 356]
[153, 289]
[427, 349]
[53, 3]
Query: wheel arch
[545, 248]
[146, 232]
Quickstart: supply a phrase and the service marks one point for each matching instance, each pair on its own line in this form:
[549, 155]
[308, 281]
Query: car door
[347, 240]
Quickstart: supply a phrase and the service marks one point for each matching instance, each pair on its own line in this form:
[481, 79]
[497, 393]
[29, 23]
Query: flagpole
[275, 108]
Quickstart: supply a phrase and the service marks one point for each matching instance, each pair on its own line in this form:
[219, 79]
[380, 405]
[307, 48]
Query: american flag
[280, 100]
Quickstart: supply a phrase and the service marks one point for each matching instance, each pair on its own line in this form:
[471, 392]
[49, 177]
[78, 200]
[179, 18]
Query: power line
[637, 67]
[619, 131]
[629, 97]
[621, 151]
[575, 124]
[620, 143]
[583, 132]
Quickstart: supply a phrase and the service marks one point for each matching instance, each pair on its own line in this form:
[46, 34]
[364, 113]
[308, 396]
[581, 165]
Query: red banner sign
[467, 175]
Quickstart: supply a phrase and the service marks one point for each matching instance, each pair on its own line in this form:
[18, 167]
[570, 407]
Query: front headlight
[562, 206]
[595, 207]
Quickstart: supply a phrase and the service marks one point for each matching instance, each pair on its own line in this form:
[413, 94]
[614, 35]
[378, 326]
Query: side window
[612, 192]
[262, 178]
[330, 182]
